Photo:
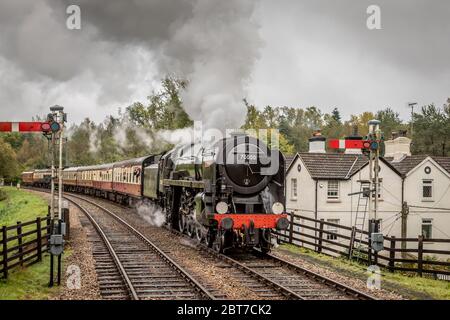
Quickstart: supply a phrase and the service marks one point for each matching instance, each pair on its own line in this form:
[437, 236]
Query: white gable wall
[440, 199]
[390, 204]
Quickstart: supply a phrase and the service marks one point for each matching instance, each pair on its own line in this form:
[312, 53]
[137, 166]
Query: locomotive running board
[184, 183]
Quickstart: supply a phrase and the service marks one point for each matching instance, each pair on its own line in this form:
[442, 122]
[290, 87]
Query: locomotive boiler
[230, 194]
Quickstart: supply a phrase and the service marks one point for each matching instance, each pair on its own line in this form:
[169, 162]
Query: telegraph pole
[411, 105]
[56, 119]
[53, 130]
[404, 233]
[375, 139]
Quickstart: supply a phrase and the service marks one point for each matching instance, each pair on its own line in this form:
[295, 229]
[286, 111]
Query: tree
[390, 121]
[80, 146]
[268, 119]
[9, 167]
[336, 115]
[431, 131]
[165, 109]
[333, 127]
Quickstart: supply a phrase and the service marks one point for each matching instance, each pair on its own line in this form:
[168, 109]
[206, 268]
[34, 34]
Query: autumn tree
[9, 167]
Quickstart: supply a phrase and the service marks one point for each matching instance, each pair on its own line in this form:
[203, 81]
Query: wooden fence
[351, 243]
[23, 243]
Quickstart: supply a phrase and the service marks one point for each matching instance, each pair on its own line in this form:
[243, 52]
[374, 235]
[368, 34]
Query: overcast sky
[289, 52]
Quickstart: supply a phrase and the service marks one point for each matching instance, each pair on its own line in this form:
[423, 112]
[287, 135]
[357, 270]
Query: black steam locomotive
[229, 194]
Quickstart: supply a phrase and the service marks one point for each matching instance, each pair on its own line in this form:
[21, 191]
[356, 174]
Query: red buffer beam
[24, 127]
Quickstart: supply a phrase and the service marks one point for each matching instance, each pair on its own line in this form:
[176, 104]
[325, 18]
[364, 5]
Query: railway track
[305, 283]
[292, 281]
[270, 277]
[129, 265]
[274, 278]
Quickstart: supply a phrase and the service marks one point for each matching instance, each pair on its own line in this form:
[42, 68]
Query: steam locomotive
[228, 194]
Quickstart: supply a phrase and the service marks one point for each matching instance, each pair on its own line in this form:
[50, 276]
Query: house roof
[338, 166]
[289, 159]
[330, 165]
[410, 162]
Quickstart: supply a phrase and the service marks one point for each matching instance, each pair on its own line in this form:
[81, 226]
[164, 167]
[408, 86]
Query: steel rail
[111, 250]
[278, 287]
[199, 288]
[254, 274]
[325, 280]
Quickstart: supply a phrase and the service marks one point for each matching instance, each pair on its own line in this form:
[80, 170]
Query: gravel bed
[353, 282]
[209, 272]
[80, 256]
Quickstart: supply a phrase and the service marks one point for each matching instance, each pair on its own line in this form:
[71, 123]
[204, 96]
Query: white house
[319, 184]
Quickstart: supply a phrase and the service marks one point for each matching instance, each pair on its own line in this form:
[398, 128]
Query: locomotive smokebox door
[377, 240]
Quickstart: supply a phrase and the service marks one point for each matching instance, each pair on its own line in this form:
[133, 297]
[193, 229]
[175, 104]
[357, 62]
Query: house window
[427, 189]
[333, 189]
[294, 188]
[427, 225]
[332, 229]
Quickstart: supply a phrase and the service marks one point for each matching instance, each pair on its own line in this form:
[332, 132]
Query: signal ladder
[360, 217]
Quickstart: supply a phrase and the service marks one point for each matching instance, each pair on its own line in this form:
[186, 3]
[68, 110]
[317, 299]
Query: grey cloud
[213, 44]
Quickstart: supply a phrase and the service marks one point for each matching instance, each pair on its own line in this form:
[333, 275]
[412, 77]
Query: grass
[21, 206]
[25, 283]
[412, 287]
[29, 283]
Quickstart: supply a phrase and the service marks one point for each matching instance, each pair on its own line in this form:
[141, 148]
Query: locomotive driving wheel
[219, 242]
[181, 222]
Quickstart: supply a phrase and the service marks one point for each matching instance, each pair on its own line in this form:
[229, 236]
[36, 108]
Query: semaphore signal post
[53, 130]
[371, 146]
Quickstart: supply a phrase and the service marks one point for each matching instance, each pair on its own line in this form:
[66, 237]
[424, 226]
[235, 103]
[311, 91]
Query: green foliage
[3, 195]
[135, 132]
[432, 130]
[28, 283]
[9, 167]
[21, 206]
[267, 119]
[165, 110]
[24, 282]
[410, 286]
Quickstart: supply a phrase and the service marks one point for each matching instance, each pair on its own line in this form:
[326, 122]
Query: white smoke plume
[123, 48]
[188, 242]
[151, 213]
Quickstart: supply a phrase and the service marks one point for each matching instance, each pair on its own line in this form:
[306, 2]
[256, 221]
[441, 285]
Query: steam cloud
[124, 48]
[151, 213]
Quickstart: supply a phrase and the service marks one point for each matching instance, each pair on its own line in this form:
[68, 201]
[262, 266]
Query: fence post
[291, 228]
[20, 241]
[420, 254]
[352, 241]
[5, 253]
[319, 245]
[392, 255]
[49, 230]
[39, 239]
[66, 219]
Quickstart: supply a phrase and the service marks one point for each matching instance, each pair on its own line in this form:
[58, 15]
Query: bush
[2, 195]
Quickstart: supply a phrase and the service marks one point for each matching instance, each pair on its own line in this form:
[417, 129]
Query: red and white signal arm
[348, 144]
[25, 127]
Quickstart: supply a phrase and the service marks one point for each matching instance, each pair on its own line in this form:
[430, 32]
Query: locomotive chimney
[317, 143]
